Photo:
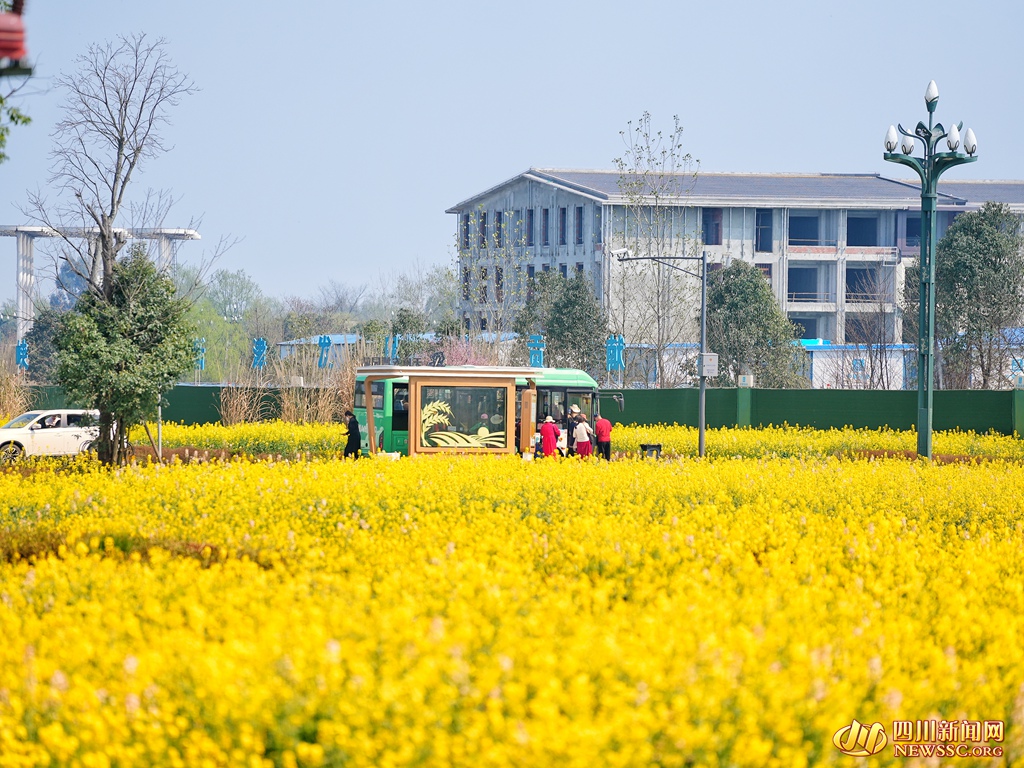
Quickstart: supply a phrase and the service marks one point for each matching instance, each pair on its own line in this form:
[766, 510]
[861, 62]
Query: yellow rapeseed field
[481, 611]
[289, 440]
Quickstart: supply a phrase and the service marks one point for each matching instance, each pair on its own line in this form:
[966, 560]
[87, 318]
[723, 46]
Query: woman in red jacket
[549, 434]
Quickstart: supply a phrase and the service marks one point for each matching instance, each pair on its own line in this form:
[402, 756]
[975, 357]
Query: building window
[482, 239]
[483, 285]
[862, 284]
[499, 283]
[546, 268]
[803, 230]
[483, 323]
[803, 284]
[766, 270]
[465, 231]
[579, 225]
[763, 230]
[563, 270]
[545, 226]
[913, 232]
[465, 283]
[579, 267]
[862, 231]
[499, 229]
[563, 226]
[861, 329]
[531, 271]
[808, 327]
[530, 241]
[711, 228]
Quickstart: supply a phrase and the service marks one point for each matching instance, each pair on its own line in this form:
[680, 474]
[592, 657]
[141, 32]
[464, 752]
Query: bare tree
[651, 297]
[116, 104]
[872, 363]
[342, 298]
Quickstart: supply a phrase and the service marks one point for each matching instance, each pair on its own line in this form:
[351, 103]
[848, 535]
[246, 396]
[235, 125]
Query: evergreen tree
[120, 353]
[750, 332]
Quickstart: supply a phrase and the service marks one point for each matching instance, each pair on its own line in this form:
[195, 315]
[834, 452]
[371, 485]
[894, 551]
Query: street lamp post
[929, 168]
[708, 365]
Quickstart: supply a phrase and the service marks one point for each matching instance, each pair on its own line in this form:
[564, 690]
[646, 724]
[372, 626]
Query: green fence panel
[193, 404]
[973, 410]
[834, 408]
[977, 410]
[675, 406]
[44, 397]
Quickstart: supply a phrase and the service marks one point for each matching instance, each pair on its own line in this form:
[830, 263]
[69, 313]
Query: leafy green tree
[749, 331]
[571, 319]
[41, 346]
[544, 290]
[979, 297]
[9, 116]
[119, 352]
[409, 326]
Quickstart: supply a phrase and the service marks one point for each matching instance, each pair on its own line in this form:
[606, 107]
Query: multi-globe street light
[929, 168]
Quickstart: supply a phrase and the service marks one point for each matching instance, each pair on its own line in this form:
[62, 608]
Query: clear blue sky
[331, 135]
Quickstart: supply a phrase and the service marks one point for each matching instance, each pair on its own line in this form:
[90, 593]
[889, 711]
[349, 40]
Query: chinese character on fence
[259, 353]
[199, 353]
[21, 354]
[536, 347]
[325, 347]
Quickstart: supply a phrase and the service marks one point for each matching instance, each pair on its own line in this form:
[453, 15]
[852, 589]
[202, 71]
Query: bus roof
[547, 377]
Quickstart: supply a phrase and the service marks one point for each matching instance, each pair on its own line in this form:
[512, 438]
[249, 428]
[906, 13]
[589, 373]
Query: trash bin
[650, 450]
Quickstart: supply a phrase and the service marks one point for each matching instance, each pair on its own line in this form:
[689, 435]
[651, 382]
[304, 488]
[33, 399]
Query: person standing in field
[549, 434]
[352, 446]
[582, 434]
[603, 436]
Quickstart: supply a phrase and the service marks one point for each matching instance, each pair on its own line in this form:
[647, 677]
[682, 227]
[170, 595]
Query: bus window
[584, 400]
[377, 388]
[556, 405]
[454, 417]
[400, 408]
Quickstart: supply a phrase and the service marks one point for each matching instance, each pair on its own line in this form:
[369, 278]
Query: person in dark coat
[352, 447]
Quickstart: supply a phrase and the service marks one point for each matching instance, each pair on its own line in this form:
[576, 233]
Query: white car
[48, 433]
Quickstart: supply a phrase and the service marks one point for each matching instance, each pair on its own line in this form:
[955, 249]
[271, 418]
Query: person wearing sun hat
[549, 434]
[570, 435]
[583, 433]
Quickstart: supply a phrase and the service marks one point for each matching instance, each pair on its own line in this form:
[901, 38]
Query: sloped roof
[840, 190]
[978, 192]
[768, 188]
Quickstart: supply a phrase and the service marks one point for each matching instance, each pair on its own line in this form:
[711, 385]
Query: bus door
[526, 419]
[359, 408]
[552, 402]
[585, 401]
[399, 418]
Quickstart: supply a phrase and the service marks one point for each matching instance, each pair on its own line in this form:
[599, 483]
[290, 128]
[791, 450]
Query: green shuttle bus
[471, 409]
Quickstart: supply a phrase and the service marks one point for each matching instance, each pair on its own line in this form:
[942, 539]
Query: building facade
[834, 247]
